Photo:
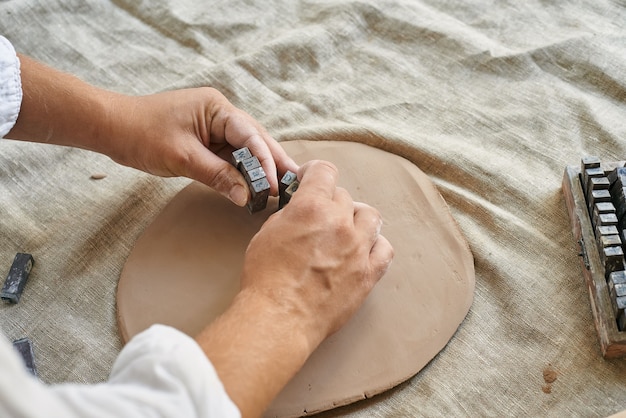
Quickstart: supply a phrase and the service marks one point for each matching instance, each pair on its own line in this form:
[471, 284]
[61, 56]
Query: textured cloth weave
[492, 100]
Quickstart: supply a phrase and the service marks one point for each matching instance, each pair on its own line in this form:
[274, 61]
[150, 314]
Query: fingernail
[238, 195]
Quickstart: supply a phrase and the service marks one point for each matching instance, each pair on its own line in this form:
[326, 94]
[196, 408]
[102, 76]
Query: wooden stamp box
[601, 256]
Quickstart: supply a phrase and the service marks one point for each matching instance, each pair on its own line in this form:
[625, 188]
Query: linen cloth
[492, 100]
[160, 372]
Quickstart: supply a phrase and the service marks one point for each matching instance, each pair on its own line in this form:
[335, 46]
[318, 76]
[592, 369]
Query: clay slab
[184, 271]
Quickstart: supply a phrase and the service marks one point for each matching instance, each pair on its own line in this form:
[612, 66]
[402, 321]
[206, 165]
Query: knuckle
[321, 165]
[309, 208]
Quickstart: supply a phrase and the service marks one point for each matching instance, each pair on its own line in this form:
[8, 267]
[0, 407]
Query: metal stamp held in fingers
[255, 177]
[260, 191]
[254, 174]
[287, 182]
[239, 155]
[250, 164]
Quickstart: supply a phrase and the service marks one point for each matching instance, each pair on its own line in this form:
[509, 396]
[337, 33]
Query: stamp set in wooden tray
[595, 194]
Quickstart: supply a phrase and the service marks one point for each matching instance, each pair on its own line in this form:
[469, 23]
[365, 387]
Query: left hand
[176, 133]
[192, 133]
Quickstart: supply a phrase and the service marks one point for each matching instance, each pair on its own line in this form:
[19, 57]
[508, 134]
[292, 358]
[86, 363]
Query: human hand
[319, 257]
[305, 273]
[176, 133]
[192, 133]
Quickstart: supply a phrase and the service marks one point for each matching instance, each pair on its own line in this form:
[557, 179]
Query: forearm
[187, 132]
[256, 347]
[58, 108]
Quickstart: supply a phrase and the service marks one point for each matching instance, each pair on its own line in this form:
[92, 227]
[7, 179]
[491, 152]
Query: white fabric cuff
[160, 373]
[10, 86]
[164, 362]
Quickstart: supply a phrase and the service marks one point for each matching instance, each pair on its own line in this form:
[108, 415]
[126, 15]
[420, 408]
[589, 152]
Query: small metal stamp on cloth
[17, 277]
[25, 348]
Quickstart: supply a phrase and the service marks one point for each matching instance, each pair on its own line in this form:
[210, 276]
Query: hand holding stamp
[255, 176]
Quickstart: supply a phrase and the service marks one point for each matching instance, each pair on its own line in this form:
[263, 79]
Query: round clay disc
[184, 271]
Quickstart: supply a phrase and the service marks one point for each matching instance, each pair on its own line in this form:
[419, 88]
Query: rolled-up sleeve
[160, 373]
[10, 86]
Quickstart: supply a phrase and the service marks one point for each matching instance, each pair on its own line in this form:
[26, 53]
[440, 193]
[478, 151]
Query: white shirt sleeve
[10, 86]
[160, 373]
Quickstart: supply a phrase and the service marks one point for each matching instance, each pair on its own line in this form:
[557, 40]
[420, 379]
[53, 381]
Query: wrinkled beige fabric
[491, 100]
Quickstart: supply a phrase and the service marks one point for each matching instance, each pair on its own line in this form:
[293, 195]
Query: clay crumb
[97, 176]
[549, 374]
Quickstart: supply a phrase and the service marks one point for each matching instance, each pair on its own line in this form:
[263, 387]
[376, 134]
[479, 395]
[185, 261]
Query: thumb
[219, 175]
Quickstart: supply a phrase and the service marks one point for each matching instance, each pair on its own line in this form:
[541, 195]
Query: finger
[381, 257]
[318, 179]
[368, 221]
[223, 150]
[241, 130]
[272, 157]
[220, 175]
[282, 161]
[235, 127]
[260, 149]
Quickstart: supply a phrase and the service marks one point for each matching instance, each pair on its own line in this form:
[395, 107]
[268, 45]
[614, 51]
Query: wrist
[286, 319]
[115, 125]
[291, 312]
[58, 108]
[256, 347]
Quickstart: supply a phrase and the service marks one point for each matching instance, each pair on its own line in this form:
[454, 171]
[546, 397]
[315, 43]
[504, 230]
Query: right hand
[317, 259]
